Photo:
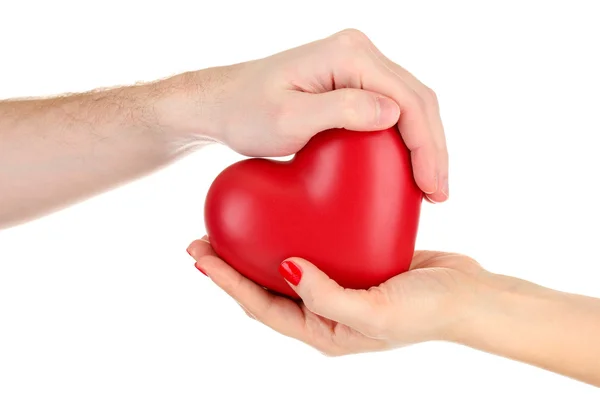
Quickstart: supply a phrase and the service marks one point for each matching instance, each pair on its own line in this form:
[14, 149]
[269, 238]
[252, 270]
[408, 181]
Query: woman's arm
[444, 296]
[557, 331]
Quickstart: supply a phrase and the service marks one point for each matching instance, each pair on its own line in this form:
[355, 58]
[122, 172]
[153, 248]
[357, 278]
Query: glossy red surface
[346, 202]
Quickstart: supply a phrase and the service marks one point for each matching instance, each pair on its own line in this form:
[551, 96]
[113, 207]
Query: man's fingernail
[435, 188]
[445, 189]
[387, 111]
[290, 272]
[199, 268]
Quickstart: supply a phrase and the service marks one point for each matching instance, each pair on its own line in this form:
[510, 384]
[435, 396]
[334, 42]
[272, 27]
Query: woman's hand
[273, 106]
[443, 296]
[427, 303]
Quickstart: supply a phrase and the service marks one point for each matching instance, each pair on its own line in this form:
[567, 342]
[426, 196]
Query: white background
[101, 300]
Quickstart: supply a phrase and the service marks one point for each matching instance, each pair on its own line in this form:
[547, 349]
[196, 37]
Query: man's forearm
[553, 330]
[57, 151]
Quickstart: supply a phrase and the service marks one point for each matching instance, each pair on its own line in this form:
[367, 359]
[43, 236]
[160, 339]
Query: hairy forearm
[557, 331]
[57, 151]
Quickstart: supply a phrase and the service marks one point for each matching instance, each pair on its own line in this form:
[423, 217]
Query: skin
[444, 296]
[61, 150]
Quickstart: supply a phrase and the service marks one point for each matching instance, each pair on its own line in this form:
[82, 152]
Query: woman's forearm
[57, 151]
[557, 331]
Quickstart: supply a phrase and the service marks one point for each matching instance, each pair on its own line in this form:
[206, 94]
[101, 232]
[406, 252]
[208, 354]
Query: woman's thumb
[323, 296]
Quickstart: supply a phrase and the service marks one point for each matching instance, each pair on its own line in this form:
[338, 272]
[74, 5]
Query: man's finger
[435, 122]
[418, 108]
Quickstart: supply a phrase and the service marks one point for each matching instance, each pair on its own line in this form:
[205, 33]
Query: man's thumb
[353, 109]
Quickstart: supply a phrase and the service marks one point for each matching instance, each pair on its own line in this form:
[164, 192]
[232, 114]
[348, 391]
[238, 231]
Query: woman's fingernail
[200, 268]
[290, 272]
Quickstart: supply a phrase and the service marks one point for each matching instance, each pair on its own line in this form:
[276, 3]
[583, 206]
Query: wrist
[515, 318]
[190, 107]
[500, 303]
[553, 330]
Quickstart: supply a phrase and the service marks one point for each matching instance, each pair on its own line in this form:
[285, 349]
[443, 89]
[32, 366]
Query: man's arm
[57, 151]
[54, 152]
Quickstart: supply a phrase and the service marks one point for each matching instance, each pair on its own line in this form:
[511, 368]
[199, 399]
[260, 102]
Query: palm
[333, 338]
[434, 278]
[414, 305]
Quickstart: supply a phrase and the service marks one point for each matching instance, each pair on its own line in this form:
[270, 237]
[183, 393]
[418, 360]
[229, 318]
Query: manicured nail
[290, 272]
[200, 269]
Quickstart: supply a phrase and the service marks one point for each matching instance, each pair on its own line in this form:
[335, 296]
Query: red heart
[346, 202]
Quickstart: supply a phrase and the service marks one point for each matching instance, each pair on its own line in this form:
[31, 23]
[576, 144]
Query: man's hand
[273, 106]
[57, 151]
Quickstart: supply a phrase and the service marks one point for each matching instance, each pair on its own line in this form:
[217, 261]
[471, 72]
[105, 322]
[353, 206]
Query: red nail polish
[200, 269]
[290, 272]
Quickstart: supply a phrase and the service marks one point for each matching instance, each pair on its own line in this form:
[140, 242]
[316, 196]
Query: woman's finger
[279, 313]
[361, 310]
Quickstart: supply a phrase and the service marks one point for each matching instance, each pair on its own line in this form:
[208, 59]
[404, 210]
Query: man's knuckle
[419, 101]
[430, 97]
[351, 38]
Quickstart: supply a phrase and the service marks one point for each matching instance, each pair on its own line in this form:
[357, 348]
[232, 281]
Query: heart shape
[347, 202]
